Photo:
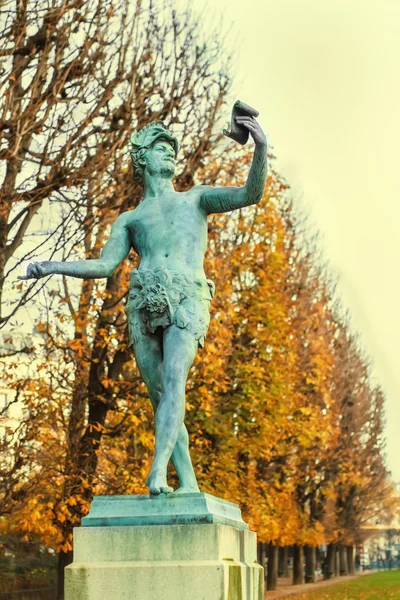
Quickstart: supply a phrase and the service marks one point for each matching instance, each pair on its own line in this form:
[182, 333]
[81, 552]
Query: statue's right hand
[36, 271]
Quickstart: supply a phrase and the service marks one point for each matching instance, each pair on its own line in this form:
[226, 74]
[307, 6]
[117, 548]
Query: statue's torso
[170, 231]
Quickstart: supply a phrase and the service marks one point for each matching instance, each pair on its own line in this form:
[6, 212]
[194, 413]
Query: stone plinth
[197, 559]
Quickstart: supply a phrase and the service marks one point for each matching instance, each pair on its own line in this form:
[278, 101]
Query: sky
[324, 75]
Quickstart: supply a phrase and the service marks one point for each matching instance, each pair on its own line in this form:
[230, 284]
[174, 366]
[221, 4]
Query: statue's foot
[157, 483]
[188, 489]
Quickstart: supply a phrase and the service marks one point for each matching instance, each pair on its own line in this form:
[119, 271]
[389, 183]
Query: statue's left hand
[254, 128]
[36, 270]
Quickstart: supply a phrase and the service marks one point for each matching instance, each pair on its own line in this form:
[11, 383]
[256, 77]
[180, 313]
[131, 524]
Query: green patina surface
[182, 509]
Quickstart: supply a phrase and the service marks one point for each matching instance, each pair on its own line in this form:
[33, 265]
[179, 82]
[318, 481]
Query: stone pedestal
[184, 547]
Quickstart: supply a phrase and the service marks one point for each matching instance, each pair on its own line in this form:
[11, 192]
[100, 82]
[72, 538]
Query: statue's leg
[149, 358]
[183, 464]
[180, 347]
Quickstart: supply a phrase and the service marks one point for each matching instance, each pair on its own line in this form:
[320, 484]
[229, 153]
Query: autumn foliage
[281, 412]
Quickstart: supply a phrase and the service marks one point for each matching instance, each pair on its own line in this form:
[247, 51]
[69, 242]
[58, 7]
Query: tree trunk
[263, 556]
[343, 561]
[283, 566]
[330, 562]
[64, 559]
[350, 559]
[310, 557]
[337, 571]
[298, 566]
[318, 559]
[272, 570]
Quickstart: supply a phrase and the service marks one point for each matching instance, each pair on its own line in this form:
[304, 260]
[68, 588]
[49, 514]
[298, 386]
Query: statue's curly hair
[138, 164]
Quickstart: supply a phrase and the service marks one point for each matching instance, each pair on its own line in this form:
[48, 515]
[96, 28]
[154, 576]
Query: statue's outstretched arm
[224, 199]
[115, 250]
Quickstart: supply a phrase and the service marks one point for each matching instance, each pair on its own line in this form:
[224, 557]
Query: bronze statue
[169, 297]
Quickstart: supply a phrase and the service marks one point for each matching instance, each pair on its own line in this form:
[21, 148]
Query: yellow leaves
[306, 410]
[63, 513]
[135, 420]
[32, 519]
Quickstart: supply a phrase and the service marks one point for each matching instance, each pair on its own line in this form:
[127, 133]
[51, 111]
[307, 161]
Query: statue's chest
[166, 219]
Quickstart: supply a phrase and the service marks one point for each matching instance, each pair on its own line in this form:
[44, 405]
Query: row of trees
[281, 411]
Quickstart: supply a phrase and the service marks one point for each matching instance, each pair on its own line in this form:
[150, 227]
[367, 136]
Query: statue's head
[154, 149]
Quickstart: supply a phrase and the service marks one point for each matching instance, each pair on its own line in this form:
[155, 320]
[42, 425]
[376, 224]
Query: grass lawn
[379, 586]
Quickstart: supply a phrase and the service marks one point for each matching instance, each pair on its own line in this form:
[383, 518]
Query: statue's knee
[175, 379]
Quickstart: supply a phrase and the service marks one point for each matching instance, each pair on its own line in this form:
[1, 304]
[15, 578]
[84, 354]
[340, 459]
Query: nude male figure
[168, 305]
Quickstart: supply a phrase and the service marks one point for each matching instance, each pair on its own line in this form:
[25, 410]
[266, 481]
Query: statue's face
[160, 159]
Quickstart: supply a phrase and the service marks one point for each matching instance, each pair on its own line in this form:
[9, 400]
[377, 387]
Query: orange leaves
[94, 427]
[61, 517]
[77, 346]
[67, 545]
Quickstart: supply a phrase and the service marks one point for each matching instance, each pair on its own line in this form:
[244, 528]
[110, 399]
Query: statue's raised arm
[224, 199]
[114, 252]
